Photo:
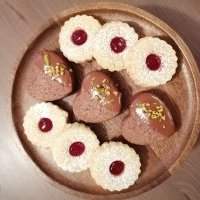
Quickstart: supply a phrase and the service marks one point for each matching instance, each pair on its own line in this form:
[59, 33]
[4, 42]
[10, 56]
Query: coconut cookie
[51, 78]
[112, 43]
[151, 62]
[73, 150]
[43, 123]
[76, 37]
[115, 166]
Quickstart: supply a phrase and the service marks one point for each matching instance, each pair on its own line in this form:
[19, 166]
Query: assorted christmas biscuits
[149, 61]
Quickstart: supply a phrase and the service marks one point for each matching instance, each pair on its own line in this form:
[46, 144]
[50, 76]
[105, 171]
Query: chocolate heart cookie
[98, 100]
[51, 77]
[149, 119]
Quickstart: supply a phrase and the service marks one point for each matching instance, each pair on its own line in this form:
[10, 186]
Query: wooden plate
[158, 160]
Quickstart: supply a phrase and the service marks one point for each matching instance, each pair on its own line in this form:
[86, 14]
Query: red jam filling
[153, 62]
[118, 44]
[117, 167]
[79, 37]
[76, 148]
[45, 124]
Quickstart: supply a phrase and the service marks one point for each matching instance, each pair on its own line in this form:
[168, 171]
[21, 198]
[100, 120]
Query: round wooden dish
[158, 160]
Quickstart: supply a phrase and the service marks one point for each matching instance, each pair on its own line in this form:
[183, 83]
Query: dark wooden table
[19, 21]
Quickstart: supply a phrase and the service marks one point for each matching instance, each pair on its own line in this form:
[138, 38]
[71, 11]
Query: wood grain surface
[19, 22]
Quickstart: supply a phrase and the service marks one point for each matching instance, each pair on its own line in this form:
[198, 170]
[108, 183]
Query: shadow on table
[187, 27]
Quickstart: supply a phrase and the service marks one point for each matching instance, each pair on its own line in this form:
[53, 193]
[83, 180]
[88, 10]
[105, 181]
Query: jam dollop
[117, 167]
[76, 148]
[45, 124]
[153, 62]
[79, 37]
[118, 44]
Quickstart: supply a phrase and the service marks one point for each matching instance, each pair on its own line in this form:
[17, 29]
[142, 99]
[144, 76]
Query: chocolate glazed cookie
[98, 100]
[51, 77]
[149, 119]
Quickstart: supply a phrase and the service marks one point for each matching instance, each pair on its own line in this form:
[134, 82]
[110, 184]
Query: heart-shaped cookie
[98, 100]
[149, 120]
[51, 77]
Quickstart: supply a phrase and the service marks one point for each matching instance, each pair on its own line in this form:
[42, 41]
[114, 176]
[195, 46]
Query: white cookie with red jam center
[151, 62]
[112, 43]
[115, 166]
[76, 37]
[73, 150]
[43, 123]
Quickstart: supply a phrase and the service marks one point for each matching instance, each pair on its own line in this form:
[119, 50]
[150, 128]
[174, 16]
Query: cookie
[43, 123]
[115, 166]
[112, 43]
[149, 120]
[72, 151]
[76, 37]
[98, 100]
[151, 62]
[51, 78]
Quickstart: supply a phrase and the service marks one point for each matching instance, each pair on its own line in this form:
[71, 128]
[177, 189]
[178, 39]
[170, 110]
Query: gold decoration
[157, 113]
[101, 92]
[53, 71]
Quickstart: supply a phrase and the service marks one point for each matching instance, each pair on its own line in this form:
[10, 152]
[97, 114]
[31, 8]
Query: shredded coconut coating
[78, 53]
[32, 118]
[102, 159]
[102, 50]
[75, 133]
[136, 62]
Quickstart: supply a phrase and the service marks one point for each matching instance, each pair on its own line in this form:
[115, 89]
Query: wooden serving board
[158, 160]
